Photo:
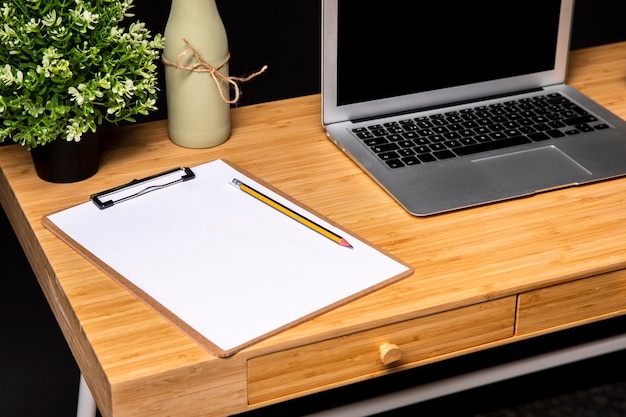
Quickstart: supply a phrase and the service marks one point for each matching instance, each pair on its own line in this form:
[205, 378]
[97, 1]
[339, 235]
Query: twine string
[204, 67]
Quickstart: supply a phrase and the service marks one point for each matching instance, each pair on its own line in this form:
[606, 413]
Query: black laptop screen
[396, 47]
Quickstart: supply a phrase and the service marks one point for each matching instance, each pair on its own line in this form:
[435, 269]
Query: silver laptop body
[388, 63]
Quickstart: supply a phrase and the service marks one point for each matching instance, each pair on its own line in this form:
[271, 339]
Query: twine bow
[204, 67]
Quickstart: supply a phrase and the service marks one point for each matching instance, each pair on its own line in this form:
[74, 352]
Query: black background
[39, 377]
[285, 35]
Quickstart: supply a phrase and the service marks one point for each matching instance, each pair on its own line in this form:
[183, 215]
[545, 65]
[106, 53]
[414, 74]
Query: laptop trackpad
[533, 170]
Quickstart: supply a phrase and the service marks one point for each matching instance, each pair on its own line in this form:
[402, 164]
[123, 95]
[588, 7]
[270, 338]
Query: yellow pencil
[287, 211]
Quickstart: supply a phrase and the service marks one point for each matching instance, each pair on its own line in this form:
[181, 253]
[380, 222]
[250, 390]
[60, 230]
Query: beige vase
[198, 116]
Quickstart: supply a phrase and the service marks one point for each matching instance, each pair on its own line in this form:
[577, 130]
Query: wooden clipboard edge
[191, 332]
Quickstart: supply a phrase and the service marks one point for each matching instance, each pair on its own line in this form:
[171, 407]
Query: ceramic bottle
[198, 116]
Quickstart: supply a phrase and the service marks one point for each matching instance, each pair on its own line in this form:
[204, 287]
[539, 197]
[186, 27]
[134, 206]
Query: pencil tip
[345, 243]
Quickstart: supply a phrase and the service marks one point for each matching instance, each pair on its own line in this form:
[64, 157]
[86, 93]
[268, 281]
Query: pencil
[287, 211]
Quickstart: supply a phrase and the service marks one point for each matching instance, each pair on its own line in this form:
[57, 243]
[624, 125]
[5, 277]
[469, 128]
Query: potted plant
[68, 66]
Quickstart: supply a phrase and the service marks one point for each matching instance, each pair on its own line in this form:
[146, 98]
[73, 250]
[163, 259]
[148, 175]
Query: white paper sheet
[224, 263]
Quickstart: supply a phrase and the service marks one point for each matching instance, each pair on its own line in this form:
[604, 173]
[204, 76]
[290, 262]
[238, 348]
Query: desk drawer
[332, 361]
[572, 301]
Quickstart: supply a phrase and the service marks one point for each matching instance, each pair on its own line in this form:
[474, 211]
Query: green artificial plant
[66, 66]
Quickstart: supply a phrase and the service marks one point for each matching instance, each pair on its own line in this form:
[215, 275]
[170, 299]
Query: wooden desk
[483, 277]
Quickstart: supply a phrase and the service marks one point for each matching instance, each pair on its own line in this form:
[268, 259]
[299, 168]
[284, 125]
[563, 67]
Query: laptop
[453, 104]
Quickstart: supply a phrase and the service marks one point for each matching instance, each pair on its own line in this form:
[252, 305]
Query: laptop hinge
[456, 103]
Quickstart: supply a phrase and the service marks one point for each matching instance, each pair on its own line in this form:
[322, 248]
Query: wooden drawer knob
[389, 353]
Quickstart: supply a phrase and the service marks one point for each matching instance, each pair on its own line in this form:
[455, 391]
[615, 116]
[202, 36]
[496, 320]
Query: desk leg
[86, 403]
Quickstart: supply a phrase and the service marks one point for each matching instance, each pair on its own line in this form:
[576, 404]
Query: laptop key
[410, 160]
[364, 135]
[555, 133]
[379, 132]
[512, 132]
[482, 138]
[490, 146]
[452, 136]
[422, 141]
[395, 163]
[538, 136]
[375, 141]
[556, 124]
[467, 141]
[406, 152]
[437, 147]
[395, 130]
[394, 138]
[422, 149]
[386, 147]
[542, 127]
[410, 135]
[445, 154]
[387, 156]
[426, 157]
[453, 144]
[497, 135]
[580, 120]
[406, 144]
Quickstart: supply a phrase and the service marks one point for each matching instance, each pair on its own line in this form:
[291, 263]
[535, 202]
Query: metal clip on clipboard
[136, 188]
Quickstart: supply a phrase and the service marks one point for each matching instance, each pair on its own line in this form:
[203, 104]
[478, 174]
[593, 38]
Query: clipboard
[223, 267]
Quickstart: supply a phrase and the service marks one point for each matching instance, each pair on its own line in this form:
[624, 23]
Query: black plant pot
[61, 161]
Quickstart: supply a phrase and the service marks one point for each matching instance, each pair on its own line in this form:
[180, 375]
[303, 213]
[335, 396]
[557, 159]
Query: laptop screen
[394, 47]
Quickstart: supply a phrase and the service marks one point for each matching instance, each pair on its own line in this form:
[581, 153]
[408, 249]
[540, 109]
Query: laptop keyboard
[408, 142]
